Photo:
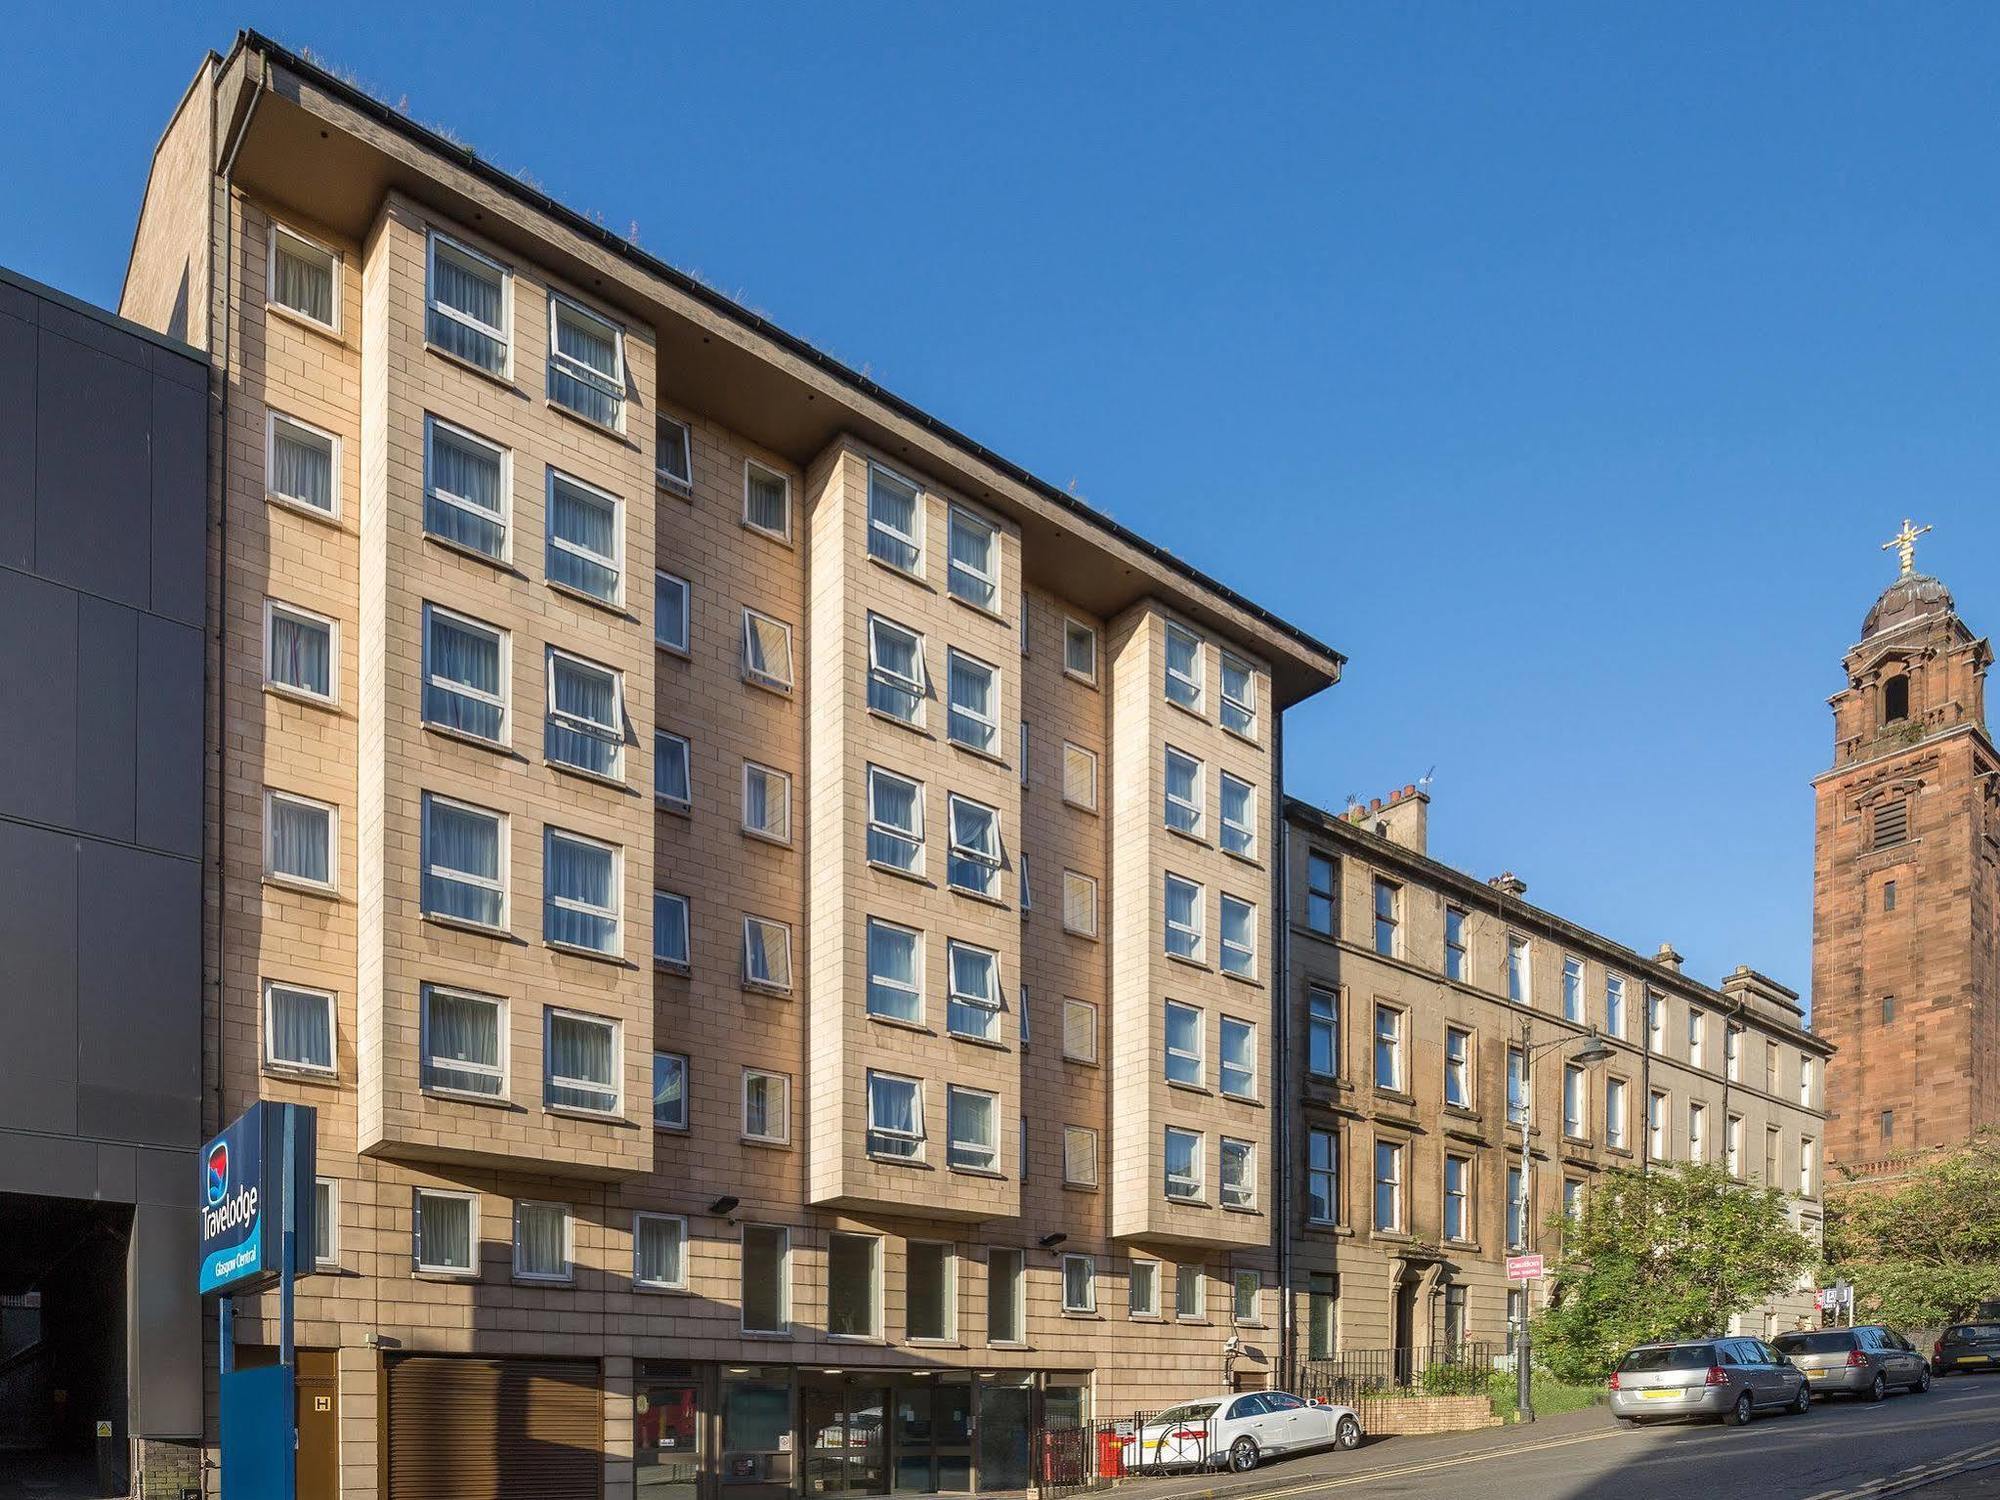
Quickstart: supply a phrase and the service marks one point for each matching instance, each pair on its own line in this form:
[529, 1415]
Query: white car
[1238, 1430]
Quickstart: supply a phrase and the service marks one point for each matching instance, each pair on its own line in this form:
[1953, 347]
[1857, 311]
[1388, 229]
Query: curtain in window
[765, 500]
[669, 1090]
[540, 1229]
[299, 839]
[893, 506]
[302, 284]
[765, 958]
[582, 1050]
[464, 656]
[462, 842]
[580, 693]
[459, 469]
[446, 1231]
[892, 972]
[301, 466]
[301, 654]
[583, 519]
[584, 694]
[580, 873]
[461, 1030]
[670, 768]
[972, 1122]
[893, 803]
[669, 929]
[757, 810]
[474, 292]
[588, 343]
[972, 691]
[1183, 786]
[660, 1251]
[757, 1106]
[1181, 905]
[972, 974]
[892, 1106]
[301, 1028]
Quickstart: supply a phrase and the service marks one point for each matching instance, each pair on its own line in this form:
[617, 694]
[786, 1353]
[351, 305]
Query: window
[767, 1106]
[1183, 667]
[895, 972]
[300, 840]
[973, 1003]
[673, 776]
[1732, 1144]
[1457, 1197]
[1889, 823]
[895, 821]
[1888, 1009]
[767, 1279]
[767, 501]
[1520, 975]
[670, 1091]
[1190, 1291]
[1006, 1303]
[1572, 1200]
[445, 1231]
[973, 702]
[1770, 1067]
[1247, 1288]
[1808, 1160]
[580, 893]
[1805, 1081]
[586, 539]
[1079, 1283]
[974, 865]
[541, 1242]
[1455, 966]
[326, 1222]
[1239, 1174]
[895, 670]
[1322, 1320]
[1697, 1038]
[465, 675]
[464, 1042]
[464, 861]
[301, 651]
[1517, 1317]
[1239, 1058]
[1322, 1176]
[1388, 1187]
[302, 467]
[1023, 767]
[585, 729]
[972, 1129]
[1457, 1067]
[853, 1286]
[1573, 990]
[1239, 816]
[1143, 1289]
[1320, 893]
[1389, 1048]
[1887, 1124]
[1576, 1102]
[767, 652]
[1183, 808]
[1079, 903]
[975, 561]
[895, 520]
[931, 1297]
[1239, 696]
[767, 955]
[1656, 1022]
[1771, 1149]
[1184, 903]
[1517, 1086]
[1322, 1034]
[1888, 895]
[465, 489]
[1388, 917]
[670, 929]
[1614, 1005]
[1454, 1315]
[1079, 1034]
[1079, 775]
[1079, 650]
[1732, 1048]
[1614, 1113]
[466, 306]
[1896, 699]
[1239, 937]
[1517, 1208]
[670, 613]
[659, 1251]
[673, 456]
[895, 1117]
[1183, 1164]
[1079, 1156]
[767, 803]
[298, 1028]
[1656, 1126]
[1184, 1043]
[582, 1068]
[305, 278]
[586, 363]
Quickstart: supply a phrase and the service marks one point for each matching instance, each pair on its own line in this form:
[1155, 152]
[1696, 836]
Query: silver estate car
[1728, 1378]
[1864, 1361]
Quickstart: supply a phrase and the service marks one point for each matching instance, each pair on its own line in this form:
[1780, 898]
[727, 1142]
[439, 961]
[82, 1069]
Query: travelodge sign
[242, 1203]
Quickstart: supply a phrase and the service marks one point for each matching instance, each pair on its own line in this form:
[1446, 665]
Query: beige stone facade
[482, 937]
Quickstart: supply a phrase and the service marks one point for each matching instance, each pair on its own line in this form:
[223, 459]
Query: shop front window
[756, 1426]
[844, 1437]
[666, 1430]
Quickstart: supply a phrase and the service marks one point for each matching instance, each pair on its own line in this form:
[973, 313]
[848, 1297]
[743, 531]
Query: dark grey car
[1731, 1378]
[1866, 1361]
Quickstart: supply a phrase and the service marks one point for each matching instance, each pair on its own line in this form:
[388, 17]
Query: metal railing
[1424, 1370]
[1073, 1458]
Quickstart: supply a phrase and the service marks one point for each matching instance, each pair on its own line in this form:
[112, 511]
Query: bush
[1454, 1380]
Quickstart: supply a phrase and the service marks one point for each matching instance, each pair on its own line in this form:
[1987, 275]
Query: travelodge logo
[218, 1173]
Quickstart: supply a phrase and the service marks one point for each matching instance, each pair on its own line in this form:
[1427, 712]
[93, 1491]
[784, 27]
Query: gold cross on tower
[1905, 543]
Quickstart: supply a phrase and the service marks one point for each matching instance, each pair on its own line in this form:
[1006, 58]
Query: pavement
[1940, 1446]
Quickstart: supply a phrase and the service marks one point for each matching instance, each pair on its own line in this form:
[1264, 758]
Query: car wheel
[1632, 1421]
[1923, 1381]
[1743, 1410]
[1802, 1402]
[1243, 1455]
[1879, 1388]
[1347, 1434]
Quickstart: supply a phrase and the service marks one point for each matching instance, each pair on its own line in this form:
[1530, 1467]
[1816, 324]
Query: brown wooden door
[318, 1394]
[495, 1429]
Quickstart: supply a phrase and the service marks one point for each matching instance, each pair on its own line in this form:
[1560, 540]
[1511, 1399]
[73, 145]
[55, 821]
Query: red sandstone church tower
[1906, 886]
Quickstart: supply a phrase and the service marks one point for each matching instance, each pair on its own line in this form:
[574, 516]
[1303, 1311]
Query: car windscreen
[1830, 1342]
[1668, 1357]
[1194, 1411]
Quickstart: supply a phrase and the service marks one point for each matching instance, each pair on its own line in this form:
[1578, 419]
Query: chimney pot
[1668, 957]
[1509, 883]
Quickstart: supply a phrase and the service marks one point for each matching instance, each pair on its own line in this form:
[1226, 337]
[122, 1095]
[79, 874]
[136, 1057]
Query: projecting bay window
[895, 670]
[582, 1067]
[1184, 677]
[1239, 697]
[895, 821]
[895, 1117]
[1183, 918]
[464, 863]
[464, 1038]
[586, 363]
[465, 675]
[975, 560]
[972, 1007]
[580, 893]
[1183, 1165]
[465, 489]
[974, 866]
[586, 543]
[467, 305]
[895, 972]
[972, 1129]
[973, 700]
[895, 521]
[585, 728]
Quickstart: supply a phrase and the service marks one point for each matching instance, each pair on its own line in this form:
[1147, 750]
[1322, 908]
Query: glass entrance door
[845, 1430]
[933, 1436]
[1006, 1405]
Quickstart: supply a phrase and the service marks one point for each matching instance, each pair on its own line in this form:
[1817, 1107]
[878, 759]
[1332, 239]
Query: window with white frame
[673, 454]
[930, 1276]
[1697, 1038]
[973, 1002]
[464, 1039]
[1576, 1102]
[1022, 768]
[580, 892]
[766, 1289]
[326, 1223]
[972, 1129]
[1517, 1208]
[1183, 1164]
[895, 971]
[1808, 1167]
[1246, 1293]
[767, 501]
[586, 363]
[659, 1251]
[975, 560]
[1520, 969]
[1517, 1086]
[1614, 1113]
[1322, 1176]
[1079, 650]
[1457, 1067]
[465, 489]
[1079, 1031]
[1388, 918]
[1183, 917]
[895, 520]
[1805, 1081]
[467, 305]
[1238, 1186]
[1027, 886]
[1732, 1049]
[1573, 990]
[895, 670]
[1732, 1144]
[1006, 1296]
[670, 612]
[1079, 1156]
[302, 465]
[1457, 963]
[673, 776]
[1239, 696]
[767, 1106]
[670, 929]
[767, 803]
[301, 840]
[1079, 775]
[1183, 792]
[1572, 1200]
[301, 652]
[465, 675]
[1190, 1290]
[541, 1242]
[1183, 666]
[1457, 1198]
[1239, 816]
[1239, 937]
[670, 1091]
[853, 1285]
[767, 652]
[1697, 1131]
[767, 955]
[1388, 1187]
[446, 1231]
[1142, 1289]
[464, 862]
[973, 703]
[304, 277]
[1656, 1022]
[1656, 1126]
[1614, 1005]
[895, 1117]
[895, 821]
[1238, 1058]
[1389, 1048]
[586, 542]
[585, 728]
[1079, 904]
[298, 1028]
[1322, 1033]
[582, 1068]
[975, 847]
[1079, 1284]
[1184, 1043]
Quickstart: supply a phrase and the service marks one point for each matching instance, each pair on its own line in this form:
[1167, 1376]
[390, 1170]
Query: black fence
[1074, 1457]
[1435, 1370]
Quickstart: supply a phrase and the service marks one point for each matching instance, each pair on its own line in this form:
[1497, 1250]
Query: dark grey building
[103, 442]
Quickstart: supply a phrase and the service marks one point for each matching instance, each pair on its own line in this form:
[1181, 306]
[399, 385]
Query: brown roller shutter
[493, 1429]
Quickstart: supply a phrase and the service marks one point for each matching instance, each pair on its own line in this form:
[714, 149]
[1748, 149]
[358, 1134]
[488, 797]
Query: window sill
[908, 575]
[1395, 1096]
[502, 378]
[885, 1160]
[605, 606]
[1249, 1209]
[594, 1116]
[1192, 963]
[1250, 1099]
[991, 757]
[466, 1096]
[433, 1273]
[776, 992]
[1250, 979]
[1248, 739]
[776, 1334]
[1392, 1236]
[1188, 835]
[463, 924]
[659, 1129]
[310, 512]
[1194, 710]
[1179, 1201]
[553, 1282]
[899, 1023]
[912, 726]
[1075, 932]
[991, 1044]
[303, 887]
[776, 841]
[673, 966]
[1088, 808]
[445, 731]
[915, 876]
[1079, 1187]
[916, 1342]
[647, 1289]
[302, 1073]
[782, 538]
[307, 321]
[473, 554]
[617, 434]
[993, 1174]
[1081, 1062]
[1083, 1316]
[673, 805]
[1082, 679]
[595, 955]
[852, 1339]
[1189, 1088]
[1244, 857]
[566, 769]
[301, 696]
[682, 488]
[668, 648]
[979, 896]
[769, 685]
[763, 1141]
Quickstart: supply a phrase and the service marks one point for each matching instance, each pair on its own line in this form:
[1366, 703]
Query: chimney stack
[1401, 818]
[1668, 958]
[1509, 884]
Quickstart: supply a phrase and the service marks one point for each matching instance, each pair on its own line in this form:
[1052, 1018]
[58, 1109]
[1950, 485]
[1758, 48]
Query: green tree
[1663, 1255]
[1924, 1250]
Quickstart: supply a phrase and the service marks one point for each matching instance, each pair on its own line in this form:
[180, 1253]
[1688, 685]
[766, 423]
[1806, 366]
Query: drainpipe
[1281, 1083]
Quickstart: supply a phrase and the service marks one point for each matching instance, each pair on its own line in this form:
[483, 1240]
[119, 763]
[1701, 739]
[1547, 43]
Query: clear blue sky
[1563, 365]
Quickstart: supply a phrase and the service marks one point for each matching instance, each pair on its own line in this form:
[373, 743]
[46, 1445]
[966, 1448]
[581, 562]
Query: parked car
[1728, 1378]
[1967, 1346]
[1238, 1431]
[1862, 1361]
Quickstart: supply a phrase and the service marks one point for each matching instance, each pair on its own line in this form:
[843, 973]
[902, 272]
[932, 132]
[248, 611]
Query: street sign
[1524, 1268]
